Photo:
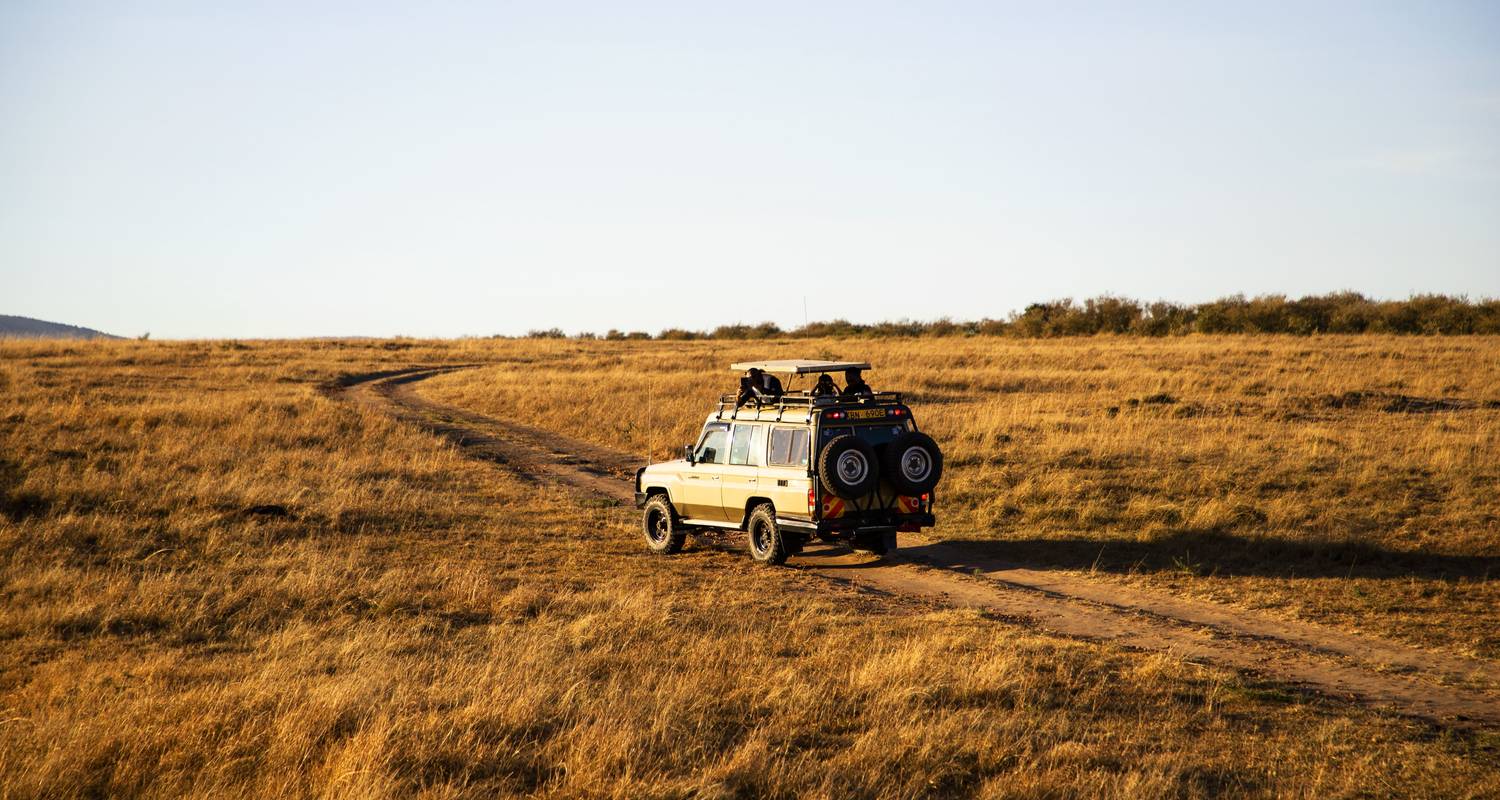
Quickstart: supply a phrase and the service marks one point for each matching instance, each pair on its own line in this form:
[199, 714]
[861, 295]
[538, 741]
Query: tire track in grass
[1363, 669]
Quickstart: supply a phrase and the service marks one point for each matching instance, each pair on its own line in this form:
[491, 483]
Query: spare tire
[847, 467]
[913, 463]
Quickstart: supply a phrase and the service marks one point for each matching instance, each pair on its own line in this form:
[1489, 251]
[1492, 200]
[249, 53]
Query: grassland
[1350, 480]
[220, 581]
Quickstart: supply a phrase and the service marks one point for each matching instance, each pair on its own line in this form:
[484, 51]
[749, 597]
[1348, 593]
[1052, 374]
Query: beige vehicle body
[751, 455]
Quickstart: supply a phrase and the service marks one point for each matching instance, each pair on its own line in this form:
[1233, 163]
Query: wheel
[664, 533]
[847, 467]
[766, 543]
[880, 543]
[913, 464]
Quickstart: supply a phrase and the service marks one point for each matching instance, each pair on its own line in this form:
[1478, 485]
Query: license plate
[867, 413]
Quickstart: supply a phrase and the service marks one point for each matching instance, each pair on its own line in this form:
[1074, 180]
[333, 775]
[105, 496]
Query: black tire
[767, 546]
[847, 466]
[912, 464]
[663, 529]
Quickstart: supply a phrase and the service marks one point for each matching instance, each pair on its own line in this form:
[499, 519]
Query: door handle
[750, 480]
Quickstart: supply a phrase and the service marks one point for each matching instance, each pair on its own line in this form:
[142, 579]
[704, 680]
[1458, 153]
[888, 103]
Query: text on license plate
[867, 413]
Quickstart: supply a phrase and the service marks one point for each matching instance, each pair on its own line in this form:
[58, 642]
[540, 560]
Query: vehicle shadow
[1209, 553]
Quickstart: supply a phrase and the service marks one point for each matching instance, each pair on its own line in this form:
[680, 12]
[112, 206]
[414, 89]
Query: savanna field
[219, 579]
[1344, 479]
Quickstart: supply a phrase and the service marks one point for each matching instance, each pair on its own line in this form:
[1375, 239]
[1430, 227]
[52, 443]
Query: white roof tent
[795, 366]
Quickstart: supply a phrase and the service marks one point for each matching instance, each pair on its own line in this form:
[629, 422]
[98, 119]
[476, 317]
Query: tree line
[1343, 312]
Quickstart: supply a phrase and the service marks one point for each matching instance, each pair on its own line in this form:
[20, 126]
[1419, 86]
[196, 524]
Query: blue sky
[266, 169]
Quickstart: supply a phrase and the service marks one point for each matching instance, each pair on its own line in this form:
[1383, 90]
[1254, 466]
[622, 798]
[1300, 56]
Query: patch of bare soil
[1362, 669]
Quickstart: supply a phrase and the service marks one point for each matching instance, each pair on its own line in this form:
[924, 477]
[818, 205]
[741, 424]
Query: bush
[765, 330]
[1340, 312]
[679, 335]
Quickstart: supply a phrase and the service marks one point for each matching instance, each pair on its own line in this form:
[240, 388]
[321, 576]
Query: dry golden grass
[219, 581]
[1241, 469]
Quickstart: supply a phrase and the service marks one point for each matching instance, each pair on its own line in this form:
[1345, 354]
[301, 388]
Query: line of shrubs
[1345, 312]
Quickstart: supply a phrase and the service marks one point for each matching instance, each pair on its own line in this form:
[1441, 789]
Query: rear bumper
[845, 525]
[851, 525]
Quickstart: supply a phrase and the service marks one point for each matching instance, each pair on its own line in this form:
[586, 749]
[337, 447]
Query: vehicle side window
[714, 449]
[781, 447]
[799, 447]
[739, 449]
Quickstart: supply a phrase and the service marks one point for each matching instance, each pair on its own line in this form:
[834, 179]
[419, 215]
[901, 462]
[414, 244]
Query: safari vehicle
[793, 467]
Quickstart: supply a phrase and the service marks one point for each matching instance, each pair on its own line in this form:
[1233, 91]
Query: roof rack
[802, 401]
[797, 366]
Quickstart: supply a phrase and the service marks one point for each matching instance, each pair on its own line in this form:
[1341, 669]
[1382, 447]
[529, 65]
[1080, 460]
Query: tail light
[927, 500]
[812, 502]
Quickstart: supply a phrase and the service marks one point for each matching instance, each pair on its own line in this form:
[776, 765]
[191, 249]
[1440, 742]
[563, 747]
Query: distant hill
[28, 328]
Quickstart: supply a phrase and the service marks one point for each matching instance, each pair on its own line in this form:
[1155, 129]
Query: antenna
[650, 428]
[804, 311]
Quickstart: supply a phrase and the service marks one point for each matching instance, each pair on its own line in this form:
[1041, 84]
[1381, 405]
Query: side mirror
[689, 454]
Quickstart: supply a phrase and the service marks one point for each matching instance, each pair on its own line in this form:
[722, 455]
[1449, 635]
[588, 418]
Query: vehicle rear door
[784, 478]
[747, 448]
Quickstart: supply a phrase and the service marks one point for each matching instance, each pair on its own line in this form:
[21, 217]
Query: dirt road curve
[1448, 688]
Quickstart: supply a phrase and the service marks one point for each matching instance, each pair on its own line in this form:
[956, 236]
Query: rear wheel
[664, 533]
[766, 543]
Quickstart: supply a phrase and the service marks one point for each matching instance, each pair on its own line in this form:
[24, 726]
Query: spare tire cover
[913, 464]
[848, 467]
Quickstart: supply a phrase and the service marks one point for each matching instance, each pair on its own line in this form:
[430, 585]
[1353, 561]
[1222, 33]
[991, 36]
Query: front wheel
[767, 545]
[663, 529]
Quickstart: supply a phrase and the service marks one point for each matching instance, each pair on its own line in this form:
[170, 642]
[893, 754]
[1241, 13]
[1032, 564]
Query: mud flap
[879, 541]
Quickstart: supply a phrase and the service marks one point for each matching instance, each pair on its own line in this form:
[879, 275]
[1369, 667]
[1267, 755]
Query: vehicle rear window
[781, 446]
[788, 447]
[876, 434]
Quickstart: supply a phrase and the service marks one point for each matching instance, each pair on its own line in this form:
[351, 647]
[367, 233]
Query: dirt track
[1363, 669]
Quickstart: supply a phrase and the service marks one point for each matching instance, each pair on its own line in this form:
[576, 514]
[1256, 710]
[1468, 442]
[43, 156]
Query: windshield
[876, 434]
